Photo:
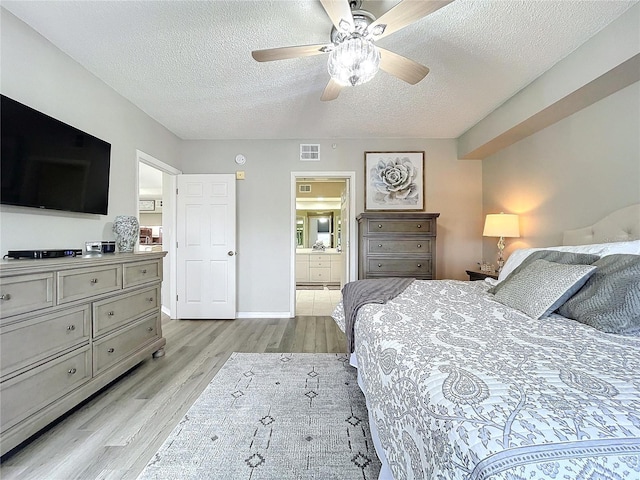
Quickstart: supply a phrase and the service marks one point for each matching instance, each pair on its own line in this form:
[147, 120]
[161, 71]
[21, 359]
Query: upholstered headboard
[619, 226]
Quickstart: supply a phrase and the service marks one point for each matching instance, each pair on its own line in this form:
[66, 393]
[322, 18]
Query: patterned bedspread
[463, 387]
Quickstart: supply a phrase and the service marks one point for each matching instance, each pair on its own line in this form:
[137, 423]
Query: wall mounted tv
[46, 163]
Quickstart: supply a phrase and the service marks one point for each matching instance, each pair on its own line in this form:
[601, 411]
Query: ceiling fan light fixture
[354, 61]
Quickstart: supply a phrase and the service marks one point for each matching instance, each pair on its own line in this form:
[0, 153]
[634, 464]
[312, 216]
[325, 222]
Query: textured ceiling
[188, 64]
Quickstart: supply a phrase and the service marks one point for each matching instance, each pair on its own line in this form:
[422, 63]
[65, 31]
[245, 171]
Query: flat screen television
[46, 163]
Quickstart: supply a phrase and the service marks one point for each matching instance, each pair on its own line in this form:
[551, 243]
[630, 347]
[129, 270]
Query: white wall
[453, 188]
[570, 174]
[36, 73]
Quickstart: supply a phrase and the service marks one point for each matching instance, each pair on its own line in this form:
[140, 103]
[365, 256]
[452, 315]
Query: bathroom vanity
[317, 266]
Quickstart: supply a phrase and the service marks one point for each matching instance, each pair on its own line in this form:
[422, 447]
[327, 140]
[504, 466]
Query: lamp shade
[501, 225]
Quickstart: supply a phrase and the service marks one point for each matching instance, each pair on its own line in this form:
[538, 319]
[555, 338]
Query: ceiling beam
[616, 79]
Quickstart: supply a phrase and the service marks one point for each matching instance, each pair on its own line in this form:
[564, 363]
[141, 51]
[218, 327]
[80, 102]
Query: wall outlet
[240, 175]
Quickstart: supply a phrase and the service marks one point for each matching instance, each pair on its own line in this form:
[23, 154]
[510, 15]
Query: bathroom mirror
[321, 229]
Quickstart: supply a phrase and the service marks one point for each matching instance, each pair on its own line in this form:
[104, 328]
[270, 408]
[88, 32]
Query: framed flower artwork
[393, 181]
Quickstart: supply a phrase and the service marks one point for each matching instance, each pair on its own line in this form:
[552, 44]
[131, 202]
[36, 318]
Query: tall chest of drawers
[69, 327]
[397, 245]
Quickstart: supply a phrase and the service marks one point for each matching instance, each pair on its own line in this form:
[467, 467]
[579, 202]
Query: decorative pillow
[555, 256]
[541, 286]
[610, 300]
[599, 249]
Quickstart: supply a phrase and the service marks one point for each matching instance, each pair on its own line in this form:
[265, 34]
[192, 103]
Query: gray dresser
[68, 327]
[397, 245]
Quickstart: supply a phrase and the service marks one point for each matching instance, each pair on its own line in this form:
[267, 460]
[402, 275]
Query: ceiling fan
[353, 57]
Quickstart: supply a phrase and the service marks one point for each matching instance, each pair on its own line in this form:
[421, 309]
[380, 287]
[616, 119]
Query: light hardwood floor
[114, 434]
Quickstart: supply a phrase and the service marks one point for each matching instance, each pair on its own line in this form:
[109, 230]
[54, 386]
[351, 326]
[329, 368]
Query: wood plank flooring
[115, 433]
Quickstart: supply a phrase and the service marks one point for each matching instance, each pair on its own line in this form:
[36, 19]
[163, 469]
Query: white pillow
[600, 249]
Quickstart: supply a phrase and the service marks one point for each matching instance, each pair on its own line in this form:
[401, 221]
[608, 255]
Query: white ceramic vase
[126, 229]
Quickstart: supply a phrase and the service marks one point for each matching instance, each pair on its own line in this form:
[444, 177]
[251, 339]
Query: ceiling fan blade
[340, 14]
[283, 53]
[401, 67]
[403, 14]
[331, 91]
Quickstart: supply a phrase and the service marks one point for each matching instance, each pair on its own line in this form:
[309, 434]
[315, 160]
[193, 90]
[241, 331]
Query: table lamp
[501, 225]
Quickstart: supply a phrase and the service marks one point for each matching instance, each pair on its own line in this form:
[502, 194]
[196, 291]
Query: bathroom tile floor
[317, 302]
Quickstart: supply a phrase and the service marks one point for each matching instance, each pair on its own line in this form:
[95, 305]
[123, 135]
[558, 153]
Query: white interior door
[206, 254]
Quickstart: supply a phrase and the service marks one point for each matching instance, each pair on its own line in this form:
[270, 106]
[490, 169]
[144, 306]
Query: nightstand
[478, 275]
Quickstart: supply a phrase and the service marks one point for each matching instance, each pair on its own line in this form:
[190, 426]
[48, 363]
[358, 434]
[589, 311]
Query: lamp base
[500, 254]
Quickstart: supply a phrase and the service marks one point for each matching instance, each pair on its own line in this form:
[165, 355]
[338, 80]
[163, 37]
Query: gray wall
[570, 174]
[453, 188]
[36, 73]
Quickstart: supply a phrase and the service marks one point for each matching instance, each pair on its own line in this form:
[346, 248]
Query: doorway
[323, 247]
[155, 204]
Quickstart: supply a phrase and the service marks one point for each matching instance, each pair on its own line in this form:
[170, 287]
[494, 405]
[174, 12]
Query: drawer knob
[150, 299]
[5, 296]
[419, 265]
[71, 371]
[111, 350]
[150, 329]
[93, 281]
[379, 265]
[419, 226]
[111, 313]
[379, 245]
[379, 225]
[419, 246]
[143, 271]
[71, 327]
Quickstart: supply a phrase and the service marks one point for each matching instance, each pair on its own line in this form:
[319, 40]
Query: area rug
[274, 416]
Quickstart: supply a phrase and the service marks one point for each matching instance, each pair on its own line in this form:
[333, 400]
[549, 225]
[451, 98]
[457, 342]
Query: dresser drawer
[418, 226]
[420, 267]
[384, 246]
[113, 313]
[320, 274]
[319, 257]
[25, 394]
[142, 272]
[88, 282]
[119, 345]
[25, 293]
[324, 263]
[31, 341]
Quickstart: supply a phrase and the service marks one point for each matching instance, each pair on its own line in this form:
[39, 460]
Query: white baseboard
[263, 315]
[166, 311]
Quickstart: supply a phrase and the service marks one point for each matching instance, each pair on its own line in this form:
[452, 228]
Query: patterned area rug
[273, 416]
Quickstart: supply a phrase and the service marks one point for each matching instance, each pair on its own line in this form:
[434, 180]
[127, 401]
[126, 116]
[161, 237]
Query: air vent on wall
[304, 188]
[309, 152]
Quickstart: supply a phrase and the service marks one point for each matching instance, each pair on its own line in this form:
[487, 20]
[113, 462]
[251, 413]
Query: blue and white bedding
[460, 386]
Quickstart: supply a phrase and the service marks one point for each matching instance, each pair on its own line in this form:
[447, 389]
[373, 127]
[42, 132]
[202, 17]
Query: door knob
[231, 253]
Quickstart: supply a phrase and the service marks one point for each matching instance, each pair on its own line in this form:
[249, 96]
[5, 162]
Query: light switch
[240, 175]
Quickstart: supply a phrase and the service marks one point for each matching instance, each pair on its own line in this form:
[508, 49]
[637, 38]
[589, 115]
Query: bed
[460, 385]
